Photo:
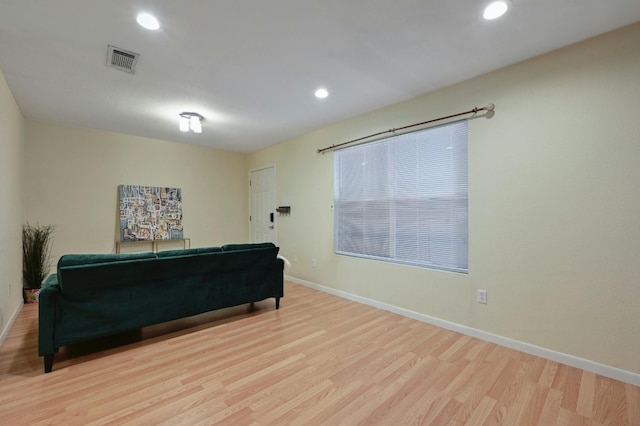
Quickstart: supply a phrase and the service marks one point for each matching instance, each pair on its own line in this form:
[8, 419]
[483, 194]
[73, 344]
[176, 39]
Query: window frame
[448, 252]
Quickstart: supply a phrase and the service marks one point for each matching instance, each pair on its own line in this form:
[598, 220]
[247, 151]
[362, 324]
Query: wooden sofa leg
[277, 303]
[48, 363]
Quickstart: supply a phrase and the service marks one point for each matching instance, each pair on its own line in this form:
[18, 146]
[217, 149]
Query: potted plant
[36, 260]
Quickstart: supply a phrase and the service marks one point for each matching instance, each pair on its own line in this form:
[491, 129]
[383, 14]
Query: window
[404, 199]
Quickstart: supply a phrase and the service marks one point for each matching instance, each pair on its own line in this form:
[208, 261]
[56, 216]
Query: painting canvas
[150, 213]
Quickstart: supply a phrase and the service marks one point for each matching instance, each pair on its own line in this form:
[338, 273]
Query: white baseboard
[573, 361]
[9, 324]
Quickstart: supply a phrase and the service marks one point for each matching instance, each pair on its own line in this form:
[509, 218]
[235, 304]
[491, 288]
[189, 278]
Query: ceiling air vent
[121, 59]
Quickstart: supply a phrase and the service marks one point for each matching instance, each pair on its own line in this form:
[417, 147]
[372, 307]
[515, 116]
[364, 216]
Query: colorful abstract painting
[150, 213]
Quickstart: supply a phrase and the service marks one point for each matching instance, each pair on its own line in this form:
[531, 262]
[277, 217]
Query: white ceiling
[250, 67]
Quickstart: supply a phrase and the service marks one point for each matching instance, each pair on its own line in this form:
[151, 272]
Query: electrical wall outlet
[313, 263]
[482, 296]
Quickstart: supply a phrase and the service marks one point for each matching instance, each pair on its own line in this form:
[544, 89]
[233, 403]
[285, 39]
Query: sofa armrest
[47, 301]
[50, 281]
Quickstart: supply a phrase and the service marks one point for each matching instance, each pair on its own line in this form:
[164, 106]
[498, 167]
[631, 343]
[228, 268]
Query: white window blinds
[404, 199]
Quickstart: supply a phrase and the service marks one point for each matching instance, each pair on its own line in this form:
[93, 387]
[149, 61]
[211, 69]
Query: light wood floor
[318, 360]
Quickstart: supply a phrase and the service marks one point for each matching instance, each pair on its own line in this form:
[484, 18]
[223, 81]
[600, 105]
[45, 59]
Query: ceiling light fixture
[191, 121]
[495, 9]
[148, 21]
[321, 93]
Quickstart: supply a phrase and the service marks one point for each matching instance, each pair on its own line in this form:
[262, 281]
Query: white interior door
[262, 205]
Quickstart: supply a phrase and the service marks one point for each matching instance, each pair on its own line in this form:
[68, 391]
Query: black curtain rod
[489, 107]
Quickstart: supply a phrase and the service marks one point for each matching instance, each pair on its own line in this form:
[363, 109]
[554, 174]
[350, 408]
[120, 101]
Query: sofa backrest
[185, 252]
[104, 272]
[247, 246]
[68, 260]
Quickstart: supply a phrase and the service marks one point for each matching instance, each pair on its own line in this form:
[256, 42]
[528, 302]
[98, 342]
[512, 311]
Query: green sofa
[98, 295]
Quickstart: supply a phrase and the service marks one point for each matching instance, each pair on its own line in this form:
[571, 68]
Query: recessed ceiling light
[495, 9]
[322, 93]
[148, 21]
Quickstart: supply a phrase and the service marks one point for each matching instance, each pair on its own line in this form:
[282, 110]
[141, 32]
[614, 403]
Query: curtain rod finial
[490, 107]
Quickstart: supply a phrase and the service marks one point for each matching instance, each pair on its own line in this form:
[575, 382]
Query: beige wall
[73, 175]
[554, 204]
[12, 141]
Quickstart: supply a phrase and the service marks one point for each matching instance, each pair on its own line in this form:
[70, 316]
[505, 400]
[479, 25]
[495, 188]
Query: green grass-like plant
[36, 249]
